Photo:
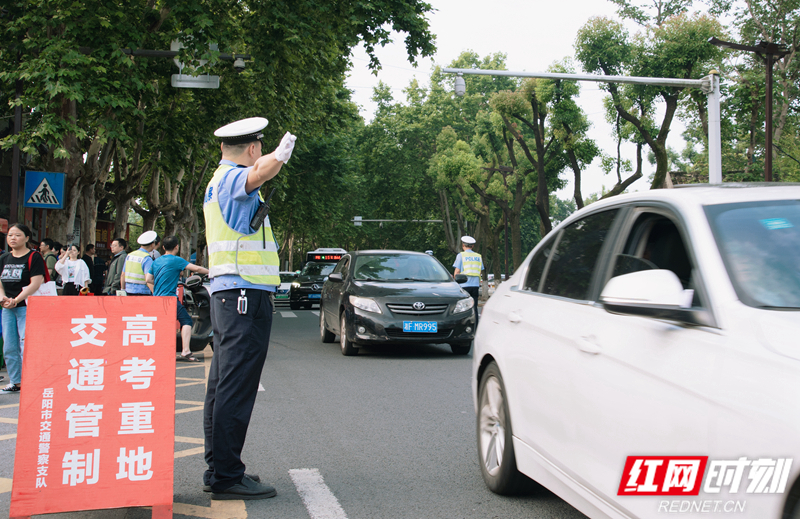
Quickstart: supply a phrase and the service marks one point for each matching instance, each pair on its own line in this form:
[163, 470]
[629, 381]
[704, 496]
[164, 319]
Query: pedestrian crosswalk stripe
[260, 387]
[318, 498]
[315, 312]
[288, 314]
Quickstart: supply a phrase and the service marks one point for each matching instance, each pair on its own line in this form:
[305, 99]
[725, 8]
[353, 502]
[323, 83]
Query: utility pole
[768, 52]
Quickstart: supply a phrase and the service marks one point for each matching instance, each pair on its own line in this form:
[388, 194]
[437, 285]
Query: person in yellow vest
[137, 265]
[243, 266]
[470, 264]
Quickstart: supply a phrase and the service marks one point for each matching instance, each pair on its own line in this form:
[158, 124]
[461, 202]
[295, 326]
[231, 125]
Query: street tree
[675, 48]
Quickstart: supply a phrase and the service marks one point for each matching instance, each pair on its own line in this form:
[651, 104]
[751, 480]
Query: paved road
[386, 434]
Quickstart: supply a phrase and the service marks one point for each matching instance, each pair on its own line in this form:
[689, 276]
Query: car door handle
[514, 317]
[589, 346]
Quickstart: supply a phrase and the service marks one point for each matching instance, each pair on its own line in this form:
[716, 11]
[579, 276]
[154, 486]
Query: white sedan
[645, 358]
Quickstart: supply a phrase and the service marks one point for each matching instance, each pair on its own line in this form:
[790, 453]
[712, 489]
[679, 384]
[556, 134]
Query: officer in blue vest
[243, 266]
[470, 264]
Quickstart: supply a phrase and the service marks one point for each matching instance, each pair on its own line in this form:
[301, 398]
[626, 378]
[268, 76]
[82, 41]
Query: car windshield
[318, 269]
[287, 278]
[760, 245]
[399, 267]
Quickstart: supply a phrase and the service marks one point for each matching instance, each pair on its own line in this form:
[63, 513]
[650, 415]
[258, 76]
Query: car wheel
[324, 334]
[294, 306]
[348, 348]
[495, 448]
[461, 348]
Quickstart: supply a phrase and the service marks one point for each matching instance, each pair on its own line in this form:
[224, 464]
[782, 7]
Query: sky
[533, 34]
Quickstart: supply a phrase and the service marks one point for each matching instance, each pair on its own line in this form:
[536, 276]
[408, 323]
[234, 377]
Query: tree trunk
[497, 265]
[291, 251]
[453, 242]
[88, 217]
[121, 219]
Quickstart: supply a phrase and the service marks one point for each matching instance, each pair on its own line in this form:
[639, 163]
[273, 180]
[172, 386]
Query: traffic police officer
[137, 266]
[470, 264]
[243, 266]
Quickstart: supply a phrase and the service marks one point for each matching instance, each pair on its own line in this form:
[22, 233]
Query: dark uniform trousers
[240, 349]
[474, 292]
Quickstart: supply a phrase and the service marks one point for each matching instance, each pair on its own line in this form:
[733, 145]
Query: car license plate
[420, 326]
[281, 296]
[314, 296]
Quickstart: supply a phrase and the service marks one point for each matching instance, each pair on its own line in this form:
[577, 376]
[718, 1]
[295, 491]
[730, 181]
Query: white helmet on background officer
[147, 238]
[468, 241]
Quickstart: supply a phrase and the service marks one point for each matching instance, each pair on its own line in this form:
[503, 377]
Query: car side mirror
[461, 278]
[337, 277]
[651, 293]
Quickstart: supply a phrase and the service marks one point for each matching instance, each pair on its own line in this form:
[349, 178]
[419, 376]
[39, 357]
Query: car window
[287, 278]
[536, 267]
[341, 267]
[760, 246]
[318, 269]
[569, 273]
[655, 242]
[399, 267]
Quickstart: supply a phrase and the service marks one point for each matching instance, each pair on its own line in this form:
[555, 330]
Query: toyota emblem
[419, 306]
[315, 287]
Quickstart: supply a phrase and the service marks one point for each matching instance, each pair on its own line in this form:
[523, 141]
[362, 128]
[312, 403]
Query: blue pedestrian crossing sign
[44, 190]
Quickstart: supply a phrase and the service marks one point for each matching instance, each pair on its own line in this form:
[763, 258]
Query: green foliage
[674, 45]
[98, 112]
[652, 13]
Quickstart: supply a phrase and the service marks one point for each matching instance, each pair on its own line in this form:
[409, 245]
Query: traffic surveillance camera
[238, 65]
[461, 86]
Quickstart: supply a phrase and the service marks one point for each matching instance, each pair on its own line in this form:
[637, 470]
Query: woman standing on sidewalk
[21, 273]
[74, 271]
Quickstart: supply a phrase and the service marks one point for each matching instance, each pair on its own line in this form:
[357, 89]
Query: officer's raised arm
[268, 166]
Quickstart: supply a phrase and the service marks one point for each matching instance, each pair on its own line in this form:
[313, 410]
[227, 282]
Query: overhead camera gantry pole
[709, 85]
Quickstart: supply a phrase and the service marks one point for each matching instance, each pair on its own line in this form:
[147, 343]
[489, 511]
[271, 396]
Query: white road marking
[260, 387]
[318, 498]
[315, 312]
[288, 314]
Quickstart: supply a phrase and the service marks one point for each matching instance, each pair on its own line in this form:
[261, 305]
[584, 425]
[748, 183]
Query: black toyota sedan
[381, 297]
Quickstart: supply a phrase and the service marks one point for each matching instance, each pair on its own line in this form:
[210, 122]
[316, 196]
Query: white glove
[284, 150]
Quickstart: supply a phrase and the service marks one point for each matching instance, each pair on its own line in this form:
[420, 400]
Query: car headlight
[366, 304]
[296, 284]
[464, 305]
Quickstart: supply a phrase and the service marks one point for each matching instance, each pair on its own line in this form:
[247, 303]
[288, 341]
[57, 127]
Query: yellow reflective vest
[253, 257]
[471, 261]
[134, 273]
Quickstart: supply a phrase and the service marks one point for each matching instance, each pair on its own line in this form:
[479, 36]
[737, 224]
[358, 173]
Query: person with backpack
[47, 249]
[22, 271]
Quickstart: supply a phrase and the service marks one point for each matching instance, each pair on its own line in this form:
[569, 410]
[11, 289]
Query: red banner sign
[97, 410]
